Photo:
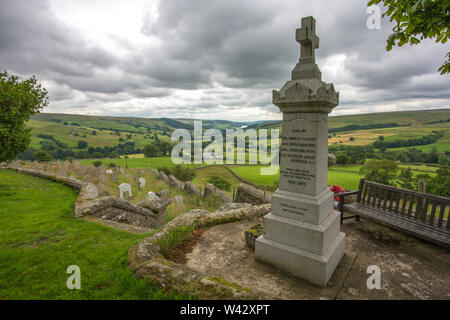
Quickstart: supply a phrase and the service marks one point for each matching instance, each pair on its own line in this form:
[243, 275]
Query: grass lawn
[202, 176]
[39, 239]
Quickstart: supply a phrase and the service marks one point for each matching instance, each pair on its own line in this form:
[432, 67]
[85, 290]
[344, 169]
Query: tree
[165, 147]
[150, 151]
[381, 138]
[342, 159]
[405, 178]
[440, 184]
[426, 19]
[381, 171]
[19, 100]
[42, 156]
[82, 144]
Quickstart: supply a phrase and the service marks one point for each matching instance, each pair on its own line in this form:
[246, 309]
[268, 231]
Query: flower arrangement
[336, 189]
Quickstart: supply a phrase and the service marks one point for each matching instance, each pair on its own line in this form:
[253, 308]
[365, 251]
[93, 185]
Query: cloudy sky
[210, 59]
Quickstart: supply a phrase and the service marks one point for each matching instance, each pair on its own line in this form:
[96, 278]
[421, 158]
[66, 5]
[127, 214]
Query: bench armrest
[349, 193]
[342, 196]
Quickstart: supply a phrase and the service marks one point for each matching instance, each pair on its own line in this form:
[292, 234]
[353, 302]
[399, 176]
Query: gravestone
[109, 171]
[101, 188]
[142, 182]
[125, 191]
[62, 172]
[114, 175]
[82, 170]
[179, 201]
[165, 193]
[103, 178]
[302, 233]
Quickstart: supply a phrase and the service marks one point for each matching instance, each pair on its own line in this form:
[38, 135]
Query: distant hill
[132, 124]
[401, 118]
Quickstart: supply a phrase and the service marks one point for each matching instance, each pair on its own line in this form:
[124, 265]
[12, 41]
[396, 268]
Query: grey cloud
[231, 54]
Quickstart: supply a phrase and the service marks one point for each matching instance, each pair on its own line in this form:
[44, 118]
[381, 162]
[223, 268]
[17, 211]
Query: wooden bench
[418, 214]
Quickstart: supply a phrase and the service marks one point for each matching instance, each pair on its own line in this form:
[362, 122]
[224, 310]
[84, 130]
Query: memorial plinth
[302, 233]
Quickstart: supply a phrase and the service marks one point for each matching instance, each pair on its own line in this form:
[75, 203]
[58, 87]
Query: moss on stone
[226, 283]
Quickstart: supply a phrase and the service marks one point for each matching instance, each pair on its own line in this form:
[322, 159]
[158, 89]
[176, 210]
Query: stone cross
[307, 38]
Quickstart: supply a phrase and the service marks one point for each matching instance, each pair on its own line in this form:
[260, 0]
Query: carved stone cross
[308, 40]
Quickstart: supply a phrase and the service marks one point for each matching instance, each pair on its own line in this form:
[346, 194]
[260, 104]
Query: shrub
[179, 172]
[173, 239]
[97, 163]
[42, 156]
[82, 144]
[220, 183]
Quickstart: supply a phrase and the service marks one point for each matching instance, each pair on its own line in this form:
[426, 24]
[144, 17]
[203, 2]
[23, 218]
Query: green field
[143, 131]
[348, 177]
[155, 163]
[39, 239]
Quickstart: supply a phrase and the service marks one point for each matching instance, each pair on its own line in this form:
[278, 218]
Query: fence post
[422, 188]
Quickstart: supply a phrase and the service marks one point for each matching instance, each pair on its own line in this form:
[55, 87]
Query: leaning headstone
[88, 178]
[125, 191]
[142, 182]
[302, 233]
[101, 188]
[165, 194]
[192, 189]
[91, 170]
[179, 201]
[62, 172]
[67, 165]
[114, 175]
[82, 170]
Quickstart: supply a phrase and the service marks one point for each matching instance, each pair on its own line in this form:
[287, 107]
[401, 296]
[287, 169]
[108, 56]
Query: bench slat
[433, 212]
[403, 223]
[405, 199]
[411, 204]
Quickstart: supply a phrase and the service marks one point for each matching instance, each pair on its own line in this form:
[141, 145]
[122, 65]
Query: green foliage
[381, 171]
[426, 19]
[151, 151]
[42, 156]
[173, 239]
[82, 144]
[97, 163]
[342, 159]
[440, 184]
[405, 178]
[220, 183]
[19, 100]
[180, 172]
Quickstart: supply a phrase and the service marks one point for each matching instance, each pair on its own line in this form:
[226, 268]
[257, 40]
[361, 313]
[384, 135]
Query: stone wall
[249, 194]
[212, 189]
[146, 261]
[189, 187]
